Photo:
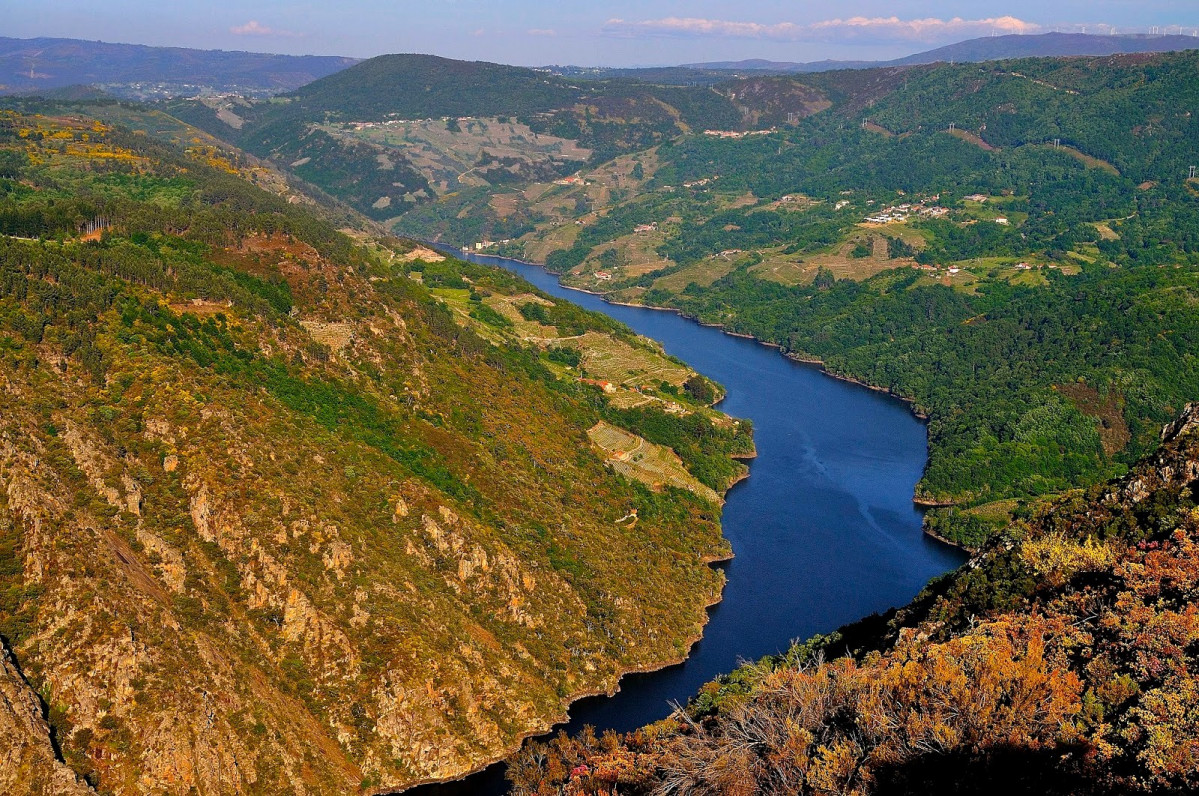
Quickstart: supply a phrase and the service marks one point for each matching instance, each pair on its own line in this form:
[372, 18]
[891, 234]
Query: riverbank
[825, 532]
[433, 787]
[818, 363]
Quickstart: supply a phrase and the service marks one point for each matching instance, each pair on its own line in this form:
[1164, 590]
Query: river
[824, 529]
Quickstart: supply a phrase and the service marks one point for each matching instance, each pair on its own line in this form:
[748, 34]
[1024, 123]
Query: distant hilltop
[989, 48]
[140, 72]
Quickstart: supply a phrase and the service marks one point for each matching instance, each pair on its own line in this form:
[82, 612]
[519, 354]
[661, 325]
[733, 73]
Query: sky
[616, 33]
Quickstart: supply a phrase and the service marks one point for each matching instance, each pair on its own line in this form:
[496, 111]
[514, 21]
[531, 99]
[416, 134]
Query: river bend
[824, 529]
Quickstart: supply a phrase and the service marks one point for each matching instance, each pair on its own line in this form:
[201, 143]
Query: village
[485, 244]
[738, 133]
[901, 213]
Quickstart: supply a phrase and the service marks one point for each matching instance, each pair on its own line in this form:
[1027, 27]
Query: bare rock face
[1187, 420]
[28, 763]
[1175, 463]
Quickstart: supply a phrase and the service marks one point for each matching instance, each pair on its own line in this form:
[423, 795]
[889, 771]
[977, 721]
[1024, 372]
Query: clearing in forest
[653, 465]
[607, 359]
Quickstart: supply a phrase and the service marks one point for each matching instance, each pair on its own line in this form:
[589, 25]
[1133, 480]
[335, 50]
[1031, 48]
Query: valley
[966, 230]
[310, 482]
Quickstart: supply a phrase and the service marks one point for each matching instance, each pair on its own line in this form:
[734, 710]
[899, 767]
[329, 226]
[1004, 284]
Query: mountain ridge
[985, 48]
[32, 65]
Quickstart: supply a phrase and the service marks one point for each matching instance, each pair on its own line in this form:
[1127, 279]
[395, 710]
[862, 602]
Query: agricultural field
[653, 465]
[462, 153]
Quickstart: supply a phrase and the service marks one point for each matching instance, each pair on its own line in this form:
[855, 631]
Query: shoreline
[931, 503]
[956, 545]
[711, 562]
[915, 410]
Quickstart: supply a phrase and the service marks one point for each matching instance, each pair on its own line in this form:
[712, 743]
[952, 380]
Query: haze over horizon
[620, 33]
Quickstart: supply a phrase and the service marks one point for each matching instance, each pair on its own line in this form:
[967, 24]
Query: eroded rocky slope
[275, 519]
[1061, 659]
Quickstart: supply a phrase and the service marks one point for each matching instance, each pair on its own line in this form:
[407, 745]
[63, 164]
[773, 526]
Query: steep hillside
[323, 130]
[285, 513]
[1061, 659]
[140, 72]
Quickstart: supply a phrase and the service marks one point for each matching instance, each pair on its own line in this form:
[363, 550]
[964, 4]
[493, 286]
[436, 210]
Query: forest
[1074, 170]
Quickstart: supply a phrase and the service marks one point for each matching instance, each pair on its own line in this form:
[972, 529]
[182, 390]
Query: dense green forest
[1035, 382]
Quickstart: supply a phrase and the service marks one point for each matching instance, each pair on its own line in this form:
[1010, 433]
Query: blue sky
[619, 33]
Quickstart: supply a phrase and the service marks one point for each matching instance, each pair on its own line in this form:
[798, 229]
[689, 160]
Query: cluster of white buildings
[486, 244]
[901, 213]
[736, 133]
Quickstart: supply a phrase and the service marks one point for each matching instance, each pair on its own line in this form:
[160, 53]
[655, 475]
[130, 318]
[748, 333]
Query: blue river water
[824, 530]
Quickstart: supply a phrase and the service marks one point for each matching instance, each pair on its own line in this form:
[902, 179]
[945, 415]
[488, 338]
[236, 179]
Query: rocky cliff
[1061, 659]
[273, 518]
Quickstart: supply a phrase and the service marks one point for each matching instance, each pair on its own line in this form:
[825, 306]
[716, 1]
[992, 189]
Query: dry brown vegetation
[1107, 409]
[234, 562]
[1060, 661]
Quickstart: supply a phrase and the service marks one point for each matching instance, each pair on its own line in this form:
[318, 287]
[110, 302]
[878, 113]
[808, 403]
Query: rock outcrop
[29, 765]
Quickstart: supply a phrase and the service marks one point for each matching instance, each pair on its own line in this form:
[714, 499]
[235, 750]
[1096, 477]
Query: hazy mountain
[34, 65]
[990, 48]
[763, 65]
[996, 48]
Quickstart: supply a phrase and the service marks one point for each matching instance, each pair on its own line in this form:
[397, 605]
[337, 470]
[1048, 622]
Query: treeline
[985, 365]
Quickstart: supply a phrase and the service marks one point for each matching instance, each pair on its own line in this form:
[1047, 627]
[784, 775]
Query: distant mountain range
[135, 71]
[990, 48]
[141, 72]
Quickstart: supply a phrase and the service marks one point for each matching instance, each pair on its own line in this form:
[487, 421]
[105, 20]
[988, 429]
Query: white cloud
[853, 28]
[923, 29]
[256, 28]
[693, 26]
[541, 32]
